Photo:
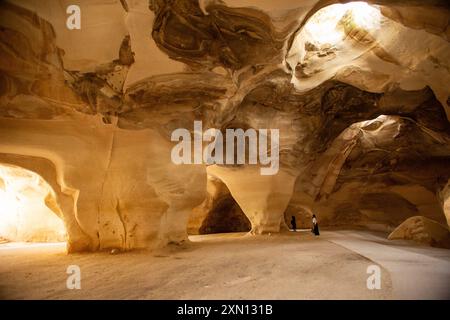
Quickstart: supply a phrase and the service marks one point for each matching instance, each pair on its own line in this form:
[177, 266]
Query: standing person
[294, 223]
[315, 228]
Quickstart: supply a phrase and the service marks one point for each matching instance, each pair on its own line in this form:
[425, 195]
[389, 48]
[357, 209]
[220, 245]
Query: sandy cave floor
[229, 266]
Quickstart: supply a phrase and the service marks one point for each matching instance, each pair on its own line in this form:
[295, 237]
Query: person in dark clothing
[315, 228]
[294, 223]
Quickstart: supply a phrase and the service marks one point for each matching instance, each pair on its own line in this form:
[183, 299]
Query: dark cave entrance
[219, 212]
[226, 216]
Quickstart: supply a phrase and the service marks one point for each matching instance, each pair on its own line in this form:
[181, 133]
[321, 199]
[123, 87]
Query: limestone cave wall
[364, 123]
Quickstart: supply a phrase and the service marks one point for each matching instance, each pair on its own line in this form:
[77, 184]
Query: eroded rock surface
[364, 129]
[424, 231]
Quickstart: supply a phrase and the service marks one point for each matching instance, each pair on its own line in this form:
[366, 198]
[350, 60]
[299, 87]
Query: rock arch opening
[302, 214]
[218, 213]
[29, 211]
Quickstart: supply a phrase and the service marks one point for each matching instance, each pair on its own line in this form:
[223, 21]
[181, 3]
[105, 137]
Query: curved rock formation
[362, 111]
[424, 231]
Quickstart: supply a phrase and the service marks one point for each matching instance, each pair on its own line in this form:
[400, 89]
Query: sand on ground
[225, 266]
